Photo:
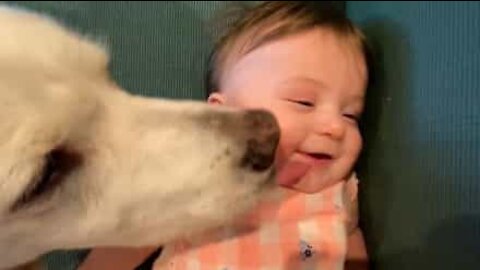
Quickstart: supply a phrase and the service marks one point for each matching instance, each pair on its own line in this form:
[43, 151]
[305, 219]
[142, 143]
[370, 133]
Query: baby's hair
[272, 20]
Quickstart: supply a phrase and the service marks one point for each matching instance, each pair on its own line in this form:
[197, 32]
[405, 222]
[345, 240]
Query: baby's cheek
[282, 153]
[288, 145]
[354, 143]
[290, 135]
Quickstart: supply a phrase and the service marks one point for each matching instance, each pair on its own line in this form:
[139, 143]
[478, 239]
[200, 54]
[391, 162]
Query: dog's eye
[57, 165]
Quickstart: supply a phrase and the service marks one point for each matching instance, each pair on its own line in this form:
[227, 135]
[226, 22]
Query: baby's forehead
[247, 44]
[296, 45]
[292, 65]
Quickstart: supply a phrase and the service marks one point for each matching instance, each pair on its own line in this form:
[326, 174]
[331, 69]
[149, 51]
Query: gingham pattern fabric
[289, 230]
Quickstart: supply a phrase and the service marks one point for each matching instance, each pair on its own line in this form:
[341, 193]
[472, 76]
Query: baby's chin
[313, 181]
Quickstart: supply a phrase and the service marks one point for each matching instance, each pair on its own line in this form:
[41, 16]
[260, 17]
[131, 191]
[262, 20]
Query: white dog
[83, 163]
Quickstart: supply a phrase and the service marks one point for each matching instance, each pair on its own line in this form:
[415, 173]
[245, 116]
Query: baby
[305, 62]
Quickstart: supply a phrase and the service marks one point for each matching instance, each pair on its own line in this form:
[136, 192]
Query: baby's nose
[262, 141]
[332, 126]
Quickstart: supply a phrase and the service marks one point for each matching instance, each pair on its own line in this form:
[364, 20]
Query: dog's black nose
[262, 141]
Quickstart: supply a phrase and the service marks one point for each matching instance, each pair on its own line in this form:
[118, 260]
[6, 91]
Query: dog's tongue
[290, 174]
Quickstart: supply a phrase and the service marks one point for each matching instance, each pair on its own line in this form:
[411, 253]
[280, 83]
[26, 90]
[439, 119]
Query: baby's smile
[315, 159]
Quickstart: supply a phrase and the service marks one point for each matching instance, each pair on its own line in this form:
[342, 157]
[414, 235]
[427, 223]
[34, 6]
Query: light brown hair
[272, 20]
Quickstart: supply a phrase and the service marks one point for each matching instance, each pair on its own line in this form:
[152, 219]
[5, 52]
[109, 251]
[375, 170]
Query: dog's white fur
[149, 171]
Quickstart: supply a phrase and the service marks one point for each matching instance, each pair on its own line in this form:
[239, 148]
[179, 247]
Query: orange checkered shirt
[289, 230]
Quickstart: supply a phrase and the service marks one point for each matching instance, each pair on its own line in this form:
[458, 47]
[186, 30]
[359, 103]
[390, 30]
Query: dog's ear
[216, 98]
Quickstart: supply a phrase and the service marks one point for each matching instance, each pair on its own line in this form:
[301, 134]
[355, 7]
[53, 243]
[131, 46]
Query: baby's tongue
[291, 173]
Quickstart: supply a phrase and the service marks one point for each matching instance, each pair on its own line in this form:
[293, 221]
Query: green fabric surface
[157, 48]
[420, 176]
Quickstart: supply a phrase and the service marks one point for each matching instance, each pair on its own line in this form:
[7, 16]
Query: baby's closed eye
[351, 116]
[303, 102]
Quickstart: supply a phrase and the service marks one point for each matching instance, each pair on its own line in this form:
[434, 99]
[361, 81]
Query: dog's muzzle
[263, 139]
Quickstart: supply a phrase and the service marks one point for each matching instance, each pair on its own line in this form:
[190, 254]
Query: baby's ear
[216, 98]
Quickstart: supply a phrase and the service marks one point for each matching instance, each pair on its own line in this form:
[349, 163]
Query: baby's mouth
[295, 169]
[319, 156]
[291, 173]
[316, 158]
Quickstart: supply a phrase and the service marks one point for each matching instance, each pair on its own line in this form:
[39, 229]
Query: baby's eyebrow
[305, 81]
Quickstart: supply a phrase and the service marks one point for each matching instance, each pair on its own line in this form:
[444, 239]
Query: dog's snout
[262, 140]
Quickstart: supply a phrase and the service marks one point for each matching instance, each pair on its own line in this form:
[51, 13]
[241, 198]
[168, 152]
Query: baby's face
[314, 83]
